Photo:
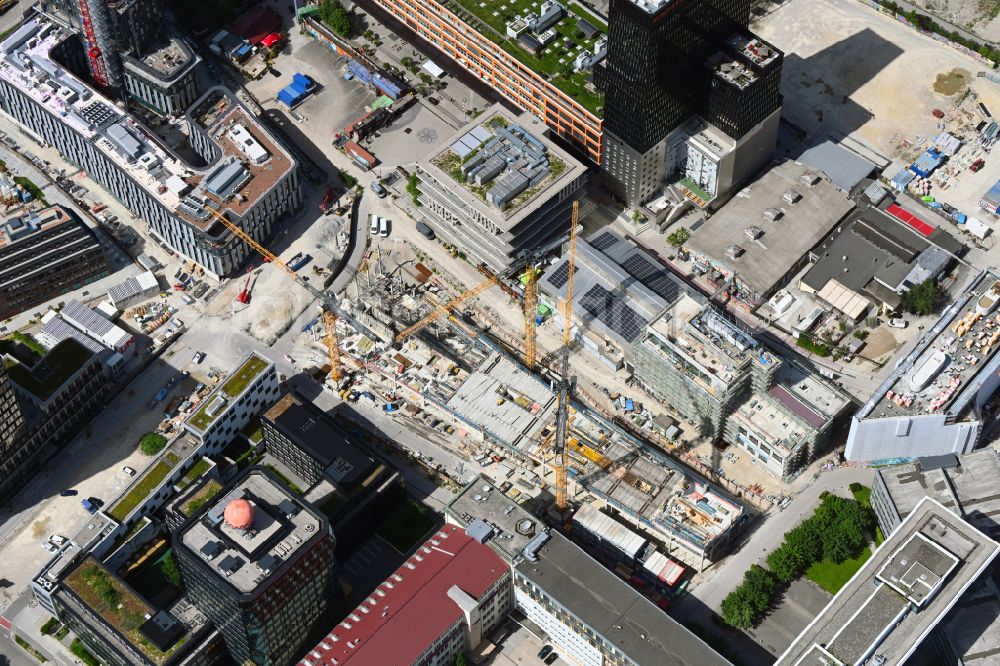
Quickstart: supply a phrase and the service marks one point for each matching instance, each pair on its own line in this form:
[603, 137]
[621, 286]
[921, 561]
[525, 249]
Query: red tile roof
[416, 609]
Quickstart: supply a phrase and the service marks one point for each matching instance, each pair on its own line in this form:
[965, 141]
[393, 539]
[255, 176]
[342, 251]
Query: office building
[764, 235]
[259, 562]
[55, 397]
[710, 370]
[899, 595]
[358, 488]
[500, 188]
[444, 600]
[54, 330]
[940, 398]
[252, 388]
[44, 254]
[602, 621]
[673, 63]
[13, 455]
[247, 176]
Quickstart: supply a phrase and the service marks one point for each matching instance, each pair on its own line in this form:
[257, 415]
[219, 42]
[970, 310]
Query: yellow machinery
[530, 306]
[328, 305]
[562, 416]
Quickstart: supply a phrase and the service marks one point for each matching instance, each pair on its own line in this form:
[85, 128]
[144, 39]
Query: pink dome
[239, 514]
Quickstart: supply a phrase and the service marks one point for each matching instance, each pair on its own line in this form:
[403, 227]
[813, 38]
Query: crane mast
[562, 416]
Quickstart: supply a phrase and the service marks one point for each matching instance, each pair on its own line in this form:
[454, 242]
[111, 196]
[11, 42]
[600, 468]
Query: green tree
[784, 563]
[678, 237]
[461, 659]
[805, 544]
[171, 571]
[334, 15]
[923, 298]
[837, 545]
[413, 187]
[152, 443]
[759, 584]
[737, 609]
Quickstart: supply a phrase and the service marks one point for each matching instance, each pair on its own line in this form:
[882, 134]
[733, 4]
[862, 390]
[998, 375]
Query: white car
[199, 357]
[128, 470]
[57, 539]
[48, 547]
[897, 322]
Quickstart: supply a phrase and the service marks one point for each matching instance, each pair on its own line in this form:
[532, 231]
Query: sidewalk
[27, 624]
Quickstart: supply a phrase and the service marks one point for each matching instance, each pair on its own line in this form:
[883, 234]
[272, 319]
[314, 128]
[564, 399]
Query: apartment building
[250, 179]
[500, 188]
[479, 39]
[44, 254]
[444, 600]
[252, 388]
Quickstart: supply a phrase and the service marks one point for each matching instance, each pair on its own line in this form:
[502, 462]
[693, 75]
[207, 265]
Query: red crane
[244, 296]
[97, 67]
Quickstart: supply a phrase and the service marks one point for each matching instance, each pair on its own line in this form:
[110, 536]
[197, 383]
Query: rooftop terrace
[17, 229]
[281, 524]
[118, 605]
[219, 400]
[49, 374]
[555, 61]
[507, 164]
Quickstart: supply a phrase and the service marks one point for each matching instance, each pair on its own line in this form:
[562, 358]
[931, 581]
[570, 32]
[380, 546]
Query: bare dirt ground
[851, 72]
[980, 17]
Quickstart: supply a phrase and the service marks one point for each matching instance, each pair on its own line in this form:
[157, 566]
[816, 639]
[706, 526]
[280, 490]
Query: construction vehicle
[329, 309]
[244, 296]
[327, 200]
[560, 452]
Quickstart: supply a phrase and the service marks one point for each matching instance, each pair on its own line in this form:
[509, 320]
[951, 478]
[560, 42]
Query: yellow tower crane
[446, 308]
[562, 416]
[328, 304]
[531, 274]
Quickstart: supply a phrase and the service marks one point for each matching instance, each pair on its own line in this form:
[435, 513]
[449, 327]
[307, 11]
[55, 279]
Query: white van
[373, 227]
[383, 227]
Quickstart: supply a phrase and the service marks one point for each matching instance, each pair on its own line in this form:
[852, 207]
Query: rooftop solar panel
[613, 313]
[460, 149]
[604, 241]
[656, 279]
[560, 276]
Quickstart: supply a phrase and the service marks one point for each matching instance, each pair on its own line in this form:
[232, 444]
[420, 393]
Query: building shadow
[817, 90]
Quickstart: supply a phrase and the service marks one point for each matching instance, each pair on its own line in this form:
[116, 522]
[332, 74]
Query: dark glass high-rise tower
[657, 75]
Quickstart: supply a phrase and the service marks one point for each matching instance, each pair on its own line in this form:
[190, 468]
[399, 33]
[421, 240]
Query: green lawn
[49, 374]
[832, 576]
[140, 491]
[242, 378]
[198, 500]
[588, 17]
[284, 479]
[407, 526]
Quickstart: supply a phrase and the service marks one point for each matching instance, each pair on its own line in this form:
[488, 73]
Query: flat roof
[556, 57]
[780, 243]
[282, 525]
[900, 594]
[967, 486]
[54, 369]
[482, 500]
[414, 606]
[23, 226]
[613, 609]
[27, 65]
[310, 429]
[842, 166]
[227, 392]
[510, 155]
[527, 406]
[945, 370]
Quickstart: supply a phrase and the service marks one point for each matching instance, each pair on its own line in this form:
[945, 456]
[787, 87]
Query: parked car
[427, 232]
[378, 189]
[977, 165]
[128, 470]
[50, 548]
[199, 357]
[68, 492]
[897, 322]
[551, 659]
[544, 652]
[57, 539]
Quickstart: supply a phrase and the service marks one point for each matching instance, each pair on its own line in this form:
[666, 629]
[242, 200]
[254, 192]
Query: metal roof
[843, 167]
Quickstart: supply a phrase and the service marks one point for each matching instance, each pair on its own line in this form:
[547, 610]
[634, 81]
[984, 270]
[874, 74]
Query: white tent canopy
[976, 228]
[433, 69]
